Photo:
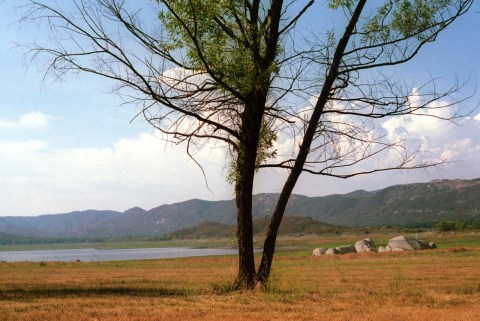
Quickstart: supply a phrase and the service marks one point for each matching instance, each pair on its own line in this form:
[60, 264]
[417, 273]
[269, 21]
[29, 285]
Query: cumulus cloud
[435, 139]
[458, 145]
[31, 121]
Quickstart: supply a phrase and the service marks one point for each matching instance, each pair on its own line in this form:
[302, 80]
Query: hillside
[400, 205]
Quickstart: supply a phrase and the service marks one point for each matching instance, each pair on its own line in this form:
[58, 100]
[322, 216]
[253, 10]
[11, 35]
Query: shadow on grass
[28, 294]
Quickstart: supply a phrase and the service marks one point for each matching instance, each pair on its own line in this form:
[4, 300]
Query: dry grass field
[442, 284]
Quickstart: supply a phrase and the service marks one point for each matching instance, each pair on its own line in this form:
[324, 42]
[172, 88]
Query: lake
[93, 255]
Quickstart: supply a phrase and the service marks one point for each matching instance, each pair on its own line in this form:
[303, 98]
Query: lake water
[93, 255]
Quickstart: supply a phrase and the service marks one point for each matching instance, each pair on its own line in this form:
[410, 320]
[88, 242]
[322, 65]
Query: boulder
[365, 245]
[405, 243]
[346, 249]
[382, 249]
[432, 245]
[388, 248]
[331, 251]
[319, 251]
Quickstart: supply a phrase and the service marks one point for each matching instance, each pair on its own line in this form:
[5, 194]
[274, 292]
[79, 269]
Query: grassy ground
[442, 284]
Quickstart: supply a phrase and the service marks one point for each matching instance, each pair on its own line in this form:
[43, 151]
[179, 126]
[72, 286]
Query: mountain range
[420, 204]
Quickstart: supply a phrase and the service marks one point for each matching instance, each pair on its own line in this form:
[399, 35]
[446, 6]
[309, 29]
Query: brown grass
[431, 285]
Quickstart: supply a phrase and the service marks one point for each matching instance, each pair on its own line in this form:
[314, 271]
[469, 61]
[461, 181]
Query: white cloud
[433, 138]
[34, 120]
[31, 121]
[436, 140]
[16, 148]
[7, 124]
[457, 149]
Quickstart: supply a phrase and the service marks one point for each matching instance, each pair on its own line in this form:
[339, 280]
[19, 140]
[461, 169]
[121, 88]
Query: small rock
[331, 252]
[319, 251]
[382, 249]
[432, 245]
[423, 245]
[346, 249]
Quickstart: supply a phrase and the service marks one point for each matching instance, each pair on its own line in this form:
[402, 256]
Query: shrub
[445, 226]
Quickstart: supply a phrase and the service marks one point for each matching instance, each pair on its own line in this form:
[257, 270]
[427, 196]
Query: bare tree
[235, 73]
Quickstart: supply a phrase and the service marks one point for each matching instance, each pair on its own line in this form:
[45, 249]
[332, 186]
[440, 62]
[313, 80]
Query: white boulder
[405, 243]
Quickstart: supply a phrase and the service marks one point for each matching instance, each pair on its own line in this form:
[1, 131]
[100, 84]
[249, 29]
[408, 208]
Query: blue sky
[71, 145]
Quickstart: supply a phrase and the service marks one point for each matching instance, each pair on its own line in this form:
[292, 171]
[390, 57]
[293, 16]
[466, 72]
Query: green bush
[445, 226]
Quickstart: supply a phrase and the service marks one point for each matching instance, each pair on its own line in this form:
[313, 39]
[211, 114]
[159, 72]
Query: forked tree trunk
[327, 89]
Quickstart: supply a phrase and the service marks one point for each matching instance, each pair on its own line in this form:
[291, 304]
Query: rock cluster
[396, 244]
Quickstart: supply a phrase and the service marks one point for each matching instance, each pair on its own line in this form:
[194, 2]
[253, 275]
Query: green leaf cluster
[216, 38]
[404, 18]
[268, 137]
[335, 4]
[227, 40]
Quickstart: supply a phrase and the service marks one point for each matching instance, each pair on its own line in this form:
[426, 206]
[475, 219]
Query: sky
[71, 145]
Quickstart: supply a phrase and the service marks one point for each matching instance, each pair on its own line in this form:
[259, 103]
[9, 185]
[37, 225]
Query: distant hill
[400, 205]
[75, 224]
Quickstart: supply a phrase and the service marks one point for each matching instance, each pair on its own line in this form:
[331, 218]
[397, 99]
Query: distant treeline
[28, 240]
[461, 225]
[447, 225]
[10, 239]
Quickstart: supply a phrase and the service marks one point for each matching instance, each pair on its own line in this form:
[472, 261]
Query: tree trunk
[246, 278]
[246, 167]
[327, 89]
[271, 238]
